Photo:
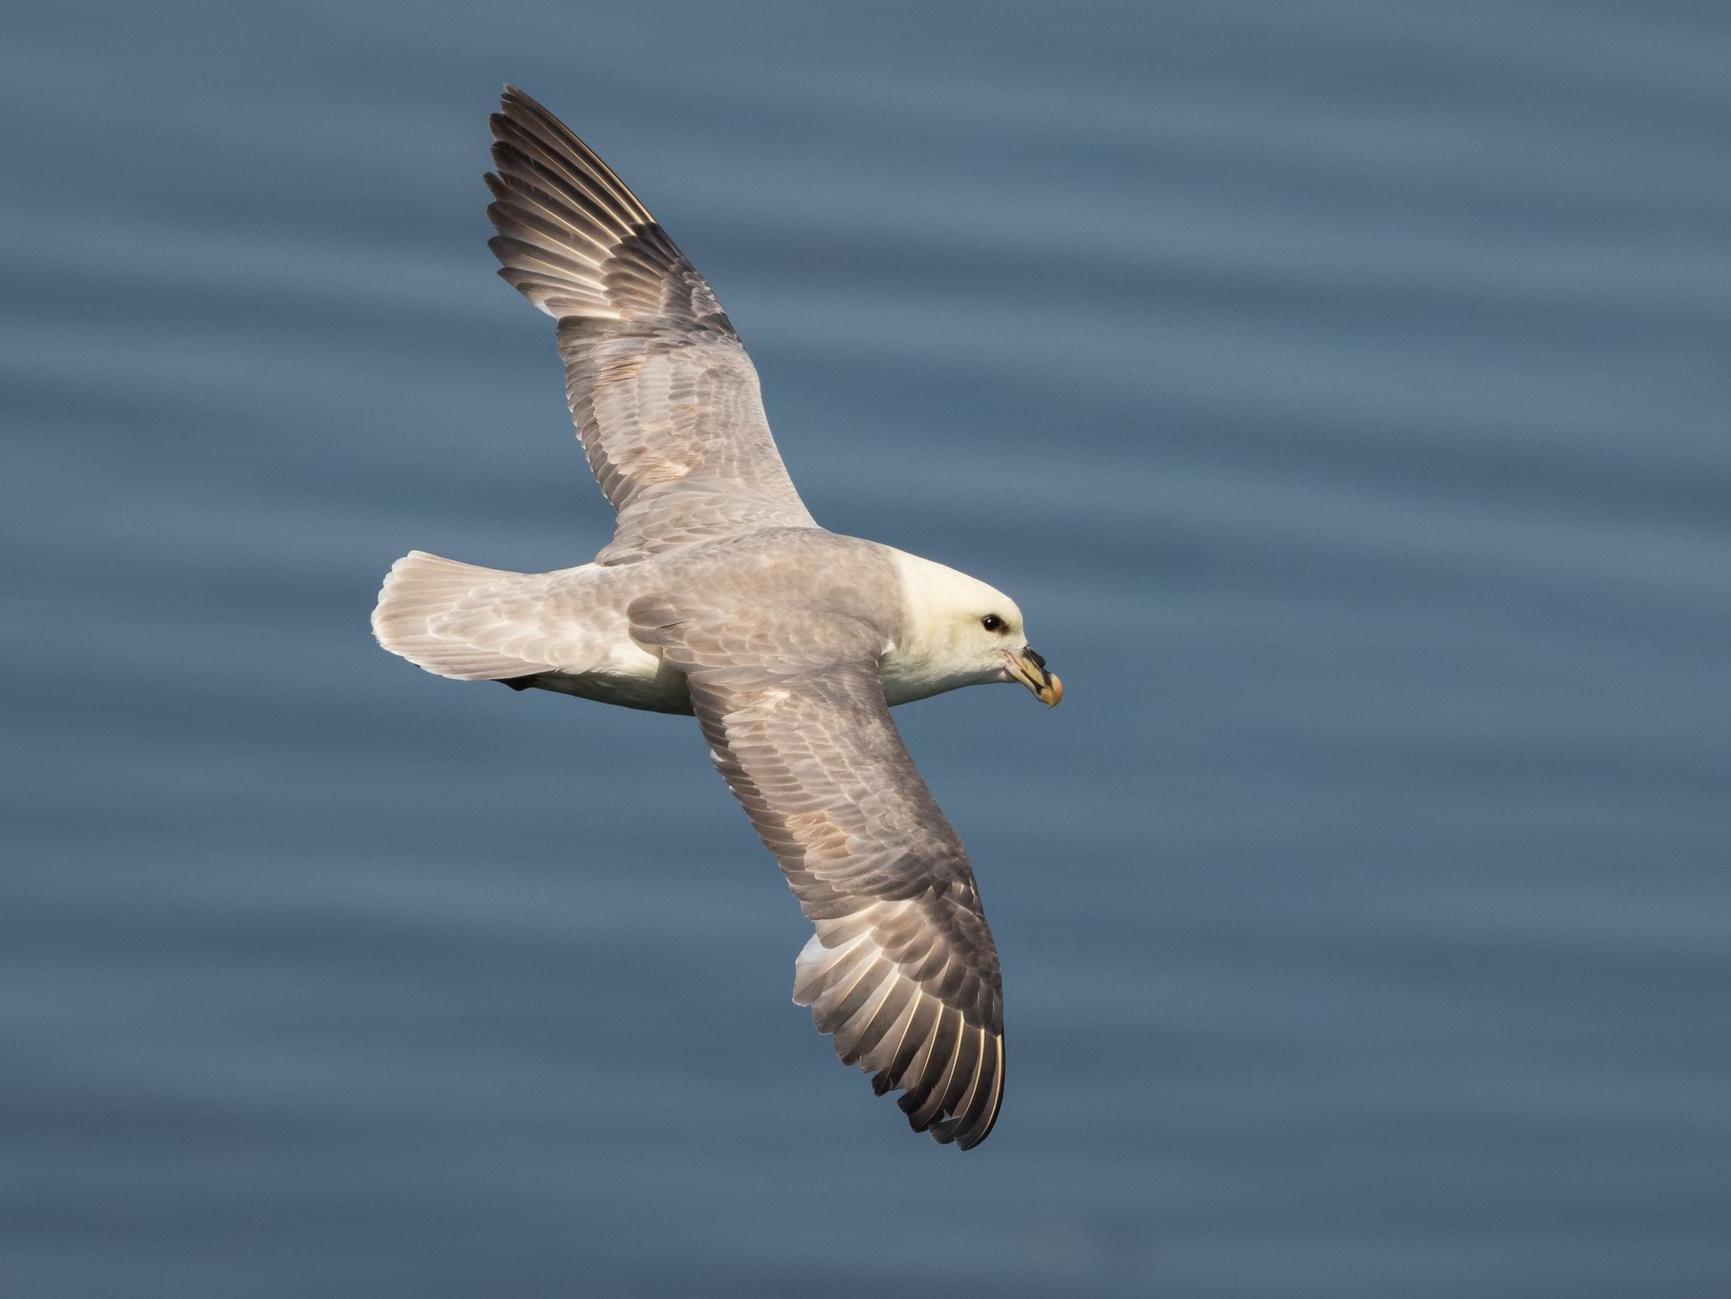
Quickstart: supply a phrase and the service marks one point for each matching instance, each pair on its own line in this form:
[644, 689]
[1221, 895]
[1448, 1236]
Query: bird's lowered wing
[902, 969]
[665, 399]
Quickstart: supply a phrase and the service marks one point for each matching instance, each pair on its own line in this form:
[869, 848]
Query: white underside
[628, 676]
[633, 677]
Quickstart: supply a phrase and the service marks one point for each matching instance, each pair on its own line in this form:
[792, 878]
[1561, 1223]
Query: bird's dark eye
[991, 622]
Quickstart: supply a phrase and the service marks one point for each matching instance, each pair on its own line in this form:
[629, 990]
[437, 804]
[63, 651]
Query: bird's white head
[957, 631]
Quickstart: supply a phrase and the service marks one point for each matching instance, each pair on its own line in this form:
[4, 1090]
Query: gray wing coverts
[665, 399]
[902, 970]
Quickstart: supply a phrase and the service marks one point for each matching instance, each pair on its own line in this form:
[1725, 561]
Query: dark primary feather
[665, 399]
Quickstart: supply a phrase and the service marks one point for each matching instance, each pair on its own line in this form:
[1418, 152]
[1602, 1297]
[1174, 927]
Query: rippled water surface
[1342, 390]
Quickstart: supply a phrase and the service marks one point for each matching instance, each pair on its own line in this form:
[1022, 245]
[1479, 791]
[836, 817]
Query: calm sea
[1342, 390]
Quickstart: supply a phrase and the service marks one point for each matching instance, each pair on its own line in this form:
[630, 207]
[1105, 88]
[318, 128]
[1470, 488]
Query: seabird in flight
[720, 596]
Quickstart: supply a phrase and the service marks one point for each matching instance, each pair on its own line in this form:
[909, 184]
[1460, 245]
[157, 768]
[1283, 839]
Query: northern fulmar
[720, 596]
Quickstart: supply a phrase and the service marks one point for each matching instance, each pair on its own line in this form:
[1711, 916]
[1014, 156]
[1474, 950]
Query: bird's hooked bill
[1030, 669]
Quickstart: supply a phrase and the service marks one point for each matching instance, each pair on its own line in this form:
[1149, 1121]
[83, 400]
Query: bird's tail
[455, 619]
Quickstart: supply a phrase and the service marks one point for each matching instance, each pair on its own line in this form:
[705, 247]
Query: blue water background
[1341, 388]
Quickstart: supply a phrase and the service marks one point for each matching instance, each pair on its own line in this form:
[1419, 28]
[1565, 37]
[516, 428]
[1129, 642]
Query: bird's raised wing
[902, 969]
[665, 400]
